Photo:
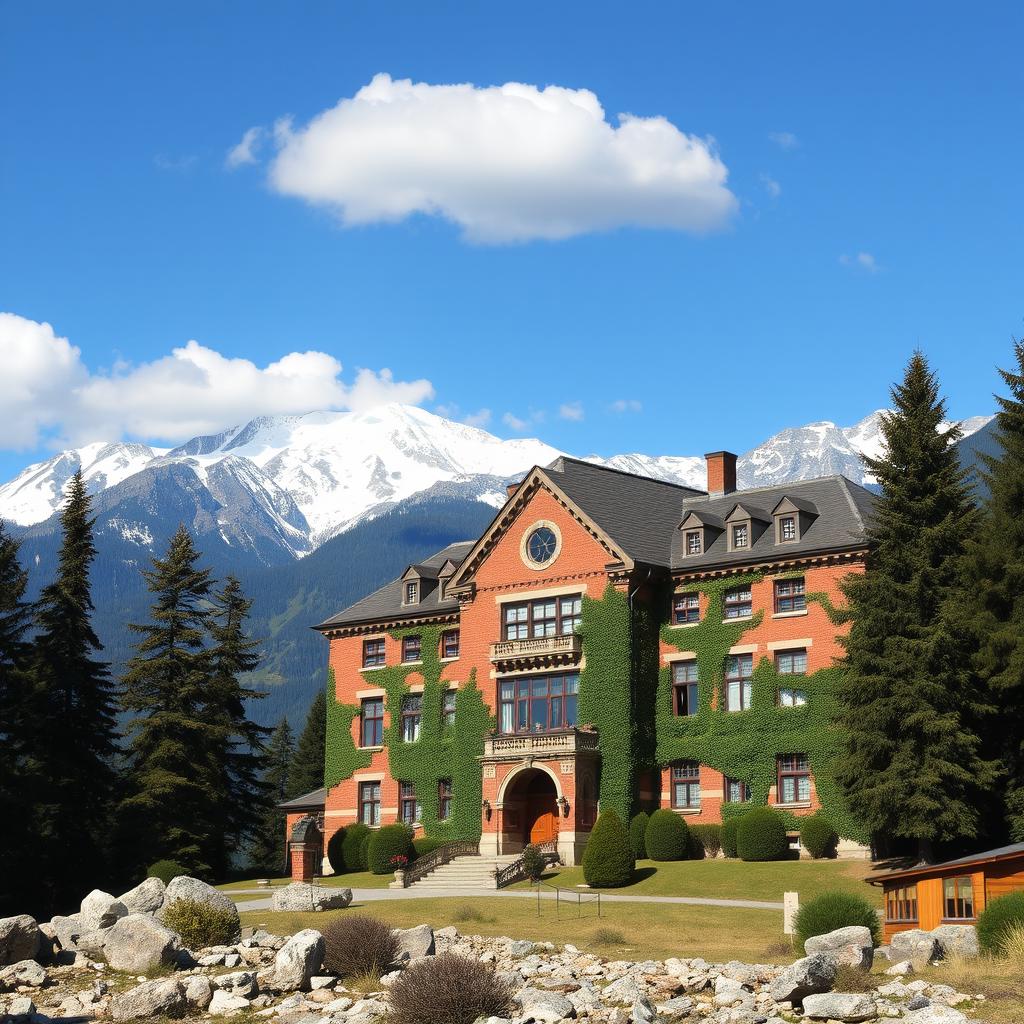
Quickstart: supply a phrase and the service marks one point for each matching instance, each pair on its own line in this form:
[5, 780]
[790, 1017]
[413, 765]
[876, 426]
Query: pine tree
[912, 768]
[71, 735]
[240, 742]
[176, 755]
[307, 771]
[15, 618]
[992, 616]
[266, 851]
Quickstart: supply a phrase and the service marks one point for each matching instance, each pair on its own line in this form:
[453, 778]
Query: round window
[541, 545]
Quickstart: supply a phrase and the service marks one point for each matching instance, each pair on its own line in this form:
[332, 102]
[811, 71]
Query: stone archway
[530, 808]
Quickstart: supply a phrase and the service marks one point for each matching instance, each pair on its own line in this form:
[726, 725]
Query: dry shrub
[781, 949]
[357, 945]
[467, 913]
[1013, 945]
[853, 979]
[448, 989]
[608, 937]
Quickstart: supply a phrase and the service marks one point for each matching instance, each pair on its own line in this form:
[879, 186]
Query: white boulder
[298, 960]
[19, 939]
[852, 945]
[100, 910]
[300, 896]
[164, 998]
[849, 1007]
[146, 898]
[139, 943]
[812, 974]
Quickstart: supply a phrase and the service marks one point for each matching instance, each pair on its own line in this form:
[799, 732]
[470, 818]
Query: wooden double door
[540, 811]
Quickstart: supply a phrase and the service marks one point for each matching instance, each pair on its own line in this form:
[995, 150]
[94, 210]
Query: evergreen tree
[992, 611]
[307, 771]
[266, 850]
[176, 752]
[240, 742]
[70, 733]
[913, 767]
[15, 617]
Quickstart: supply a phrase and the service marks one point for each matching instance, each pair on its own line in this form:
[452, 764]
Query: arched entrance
[529, 810]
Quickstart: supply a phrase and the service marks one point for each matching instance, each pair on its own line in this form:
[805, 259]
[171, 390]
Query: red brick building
[569, 733]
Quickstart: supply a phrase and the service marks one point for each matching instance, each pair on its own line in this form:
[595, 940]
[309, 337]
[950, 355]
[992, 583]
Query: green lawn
[735, 879]
[352, 880]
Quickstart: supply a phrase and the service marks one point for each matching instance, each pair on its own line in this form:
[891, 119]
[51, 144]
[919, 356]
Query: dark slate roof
[387, 602]
[843, 511]
[999, 853]
[307, 800]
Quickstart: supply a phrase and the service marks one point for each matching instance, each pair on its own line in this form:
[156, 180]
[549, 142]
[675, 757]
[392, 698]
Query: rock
[805, 977]
[915, 945]
[225, 1003]
[961, 939]
[545, 1007]
[339, 1005]
[100, 910]
[185, 888]
[307, 898]
[416, 942]
[240, 983]
[643, 1012]
[25, 972]
[198, 991]
[139, 943]
[146, 898]
[92, 942]
[729, 992]
[935, 1014]
[298, 960]
[521, 947]
[67, 929]
[71, 1006]
[900, 969]
[852, 945]
[21, 1008]
[919, 1002]
[19, 939]
[625, 990]
[322, 981]
[850, 1007]
[164, 997]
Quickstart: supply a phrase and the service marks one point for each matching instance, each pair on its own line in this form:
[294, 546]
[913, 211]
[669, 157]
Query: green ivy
[342, 757]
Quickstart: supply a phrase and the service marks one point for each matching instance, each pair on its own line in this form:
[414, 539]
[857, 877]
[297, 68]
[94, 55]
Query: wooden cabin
[954, 892]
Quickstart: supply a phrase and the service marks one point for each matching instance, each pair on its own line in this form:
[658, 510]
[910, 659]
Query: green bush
[638, 834]
[997, 919]
[608, 859]
[832, 910]
[353, 847]
[667, 837]
[729, 826]
[761, 835]
[426, 844]
[533, 862]
[705, 841]
[817, 836]
[166, 870]
[387, 842]
[336, 851]
[201, 924]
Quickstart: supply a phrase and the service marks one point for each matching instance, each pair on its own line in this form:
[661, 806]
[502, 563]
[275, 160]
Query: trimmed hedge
[761, 835]
[637, 834]
[997, 919]
[353, 847]
[667, 836]
[608, 859]
[817, 836]
[705, 841]
[729, 835]
[426, 844]
[387, 842]
[336, 851]
[166, 870]
[832, 910]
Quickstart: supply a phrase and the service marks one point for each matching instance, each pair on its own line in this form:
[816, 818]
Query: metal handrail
[422, 866]
[516, 871]
[581, 898]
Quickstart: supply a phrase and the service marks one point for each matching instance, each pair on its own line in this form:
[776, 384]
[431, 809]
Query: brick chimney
[721, 473]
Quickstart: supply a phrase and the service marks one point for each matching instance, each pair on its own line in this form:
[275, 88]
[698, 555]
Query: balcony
[563, 743]
[541, 650]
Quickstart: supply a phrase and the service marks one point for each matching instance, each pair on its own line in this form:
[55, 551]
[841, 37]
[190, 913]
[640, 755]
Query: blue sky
[873, 155]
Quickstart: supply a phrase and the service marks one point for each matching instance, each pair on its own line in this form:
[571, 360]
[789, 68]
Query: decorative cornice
[772, 566]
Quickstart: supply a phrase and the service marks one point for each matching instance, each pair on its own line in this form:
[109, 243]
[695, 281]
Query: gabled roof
[789, 503]
[975, 859]
[699, 517]
[744, 510]
[308, 801]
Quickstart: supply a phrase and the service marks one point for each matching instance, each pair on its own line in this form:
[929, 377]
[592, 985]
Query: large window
[791, 663]
[554, 616]
[448, 709]
[412, 717]
[538, 703]
[409, 809]
[373, 722]
[738, 603]
[684, 688]
[369, 803]
[739, 686]
[373, 653]
[685, 609]
[958, 898]
[410, 648]
[450, 644]
[789, 595]
[794, 779]
[901, 904]
[686, 785]
[444, 799]
[736, 791]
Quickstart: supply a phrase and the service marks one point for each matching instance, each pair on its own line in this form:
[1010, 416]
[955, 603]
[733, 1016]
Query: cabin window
[373, 653]
[444, 799]
[369, 803]
[373, 722]
[409, 808]
[794, 779]
[450, 644]
[789, 596]
[738, 603]
[684, 687]
[901, 904]
[412, 717]
[958, 898]
[686, 785]
[685, 609]
[410, 648]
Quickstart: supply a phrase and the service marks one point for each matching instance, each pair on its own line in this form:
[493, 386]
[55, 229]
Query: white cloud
[480, 418]
[513, 421]
[771, 186]
[245, 151]
[863, 260]
[621, 405]
[506, 163]
[48, 393]
[571, 411]
[452, 411]
[784, 140]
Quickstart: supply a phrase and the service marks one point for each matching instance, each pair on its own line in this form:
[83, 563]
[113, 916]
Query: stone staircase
[468, 872]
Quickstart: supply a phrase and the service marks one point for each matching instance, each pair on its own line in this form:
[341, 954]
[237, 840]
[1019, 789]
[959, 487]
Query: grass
[1000, 980]
[352, 880]
[735, 879]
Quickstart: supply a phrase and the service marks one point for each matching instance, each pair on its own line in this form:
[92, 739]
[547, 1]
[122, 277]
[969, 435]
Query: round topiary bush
[335, 851]
[761, 835]
[426, 844]
[705, 841]
[533, 862]
[353, 847]
[729, 835]
[832, 910]
[817, 836]
[637, 834]
[667, 836]
[387, 842]
[166, 870]
[998, 919]
[608, 859]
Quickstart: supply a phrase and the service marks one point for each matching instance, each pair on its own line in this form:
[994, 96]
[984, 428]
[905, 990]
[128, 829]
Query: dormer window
[700, 530]
[693, 542]
[412, 592]
[745, 525]
[741, 536]
[787, 528]
[793, 516]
